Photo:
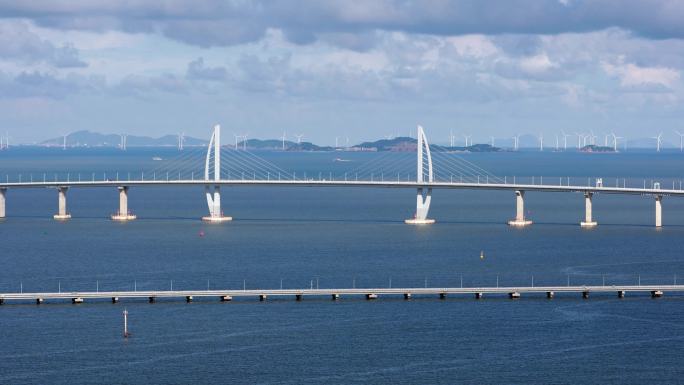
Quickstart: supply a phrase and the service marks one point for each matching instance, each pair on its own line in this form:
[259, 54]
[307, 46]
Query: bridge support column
[588, 221]
[659, 211]
[407, 296]
[226, 298]
[520, 219]
[422, 209]
[621, 294]
[656, 293]
[214, 200]
[371, 296]
[298, 297]
[335, 297]
[123, 214]
[3, 191]
[514, 295]
[550, 294]
[115, 299]
[62, 213]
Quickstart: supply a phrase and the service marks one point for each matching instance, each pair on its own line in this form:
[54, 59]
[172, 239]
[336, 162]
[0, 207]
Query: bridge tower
[214, 198]
[424, 166]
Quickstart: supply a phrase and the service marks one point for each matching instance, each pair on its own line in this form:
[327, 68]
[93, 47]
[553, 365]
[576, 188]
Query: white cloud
[632, 75]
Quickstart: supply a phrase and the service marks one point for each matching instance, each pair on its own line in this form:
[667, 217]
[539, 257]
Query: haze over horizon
[363, 70]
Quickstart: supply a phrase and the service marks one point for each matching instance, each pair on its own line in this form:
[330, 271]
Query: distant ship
[341, 160]
[157, 158]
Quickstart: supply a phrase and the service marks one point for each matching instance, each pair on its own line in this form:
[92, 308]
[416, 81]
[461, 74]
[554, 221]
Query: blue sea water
[336, 237]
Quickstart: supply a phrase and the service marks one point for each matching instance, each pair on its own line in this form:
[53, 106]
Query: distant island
[87, 138]
[595, 148]
[405, 143]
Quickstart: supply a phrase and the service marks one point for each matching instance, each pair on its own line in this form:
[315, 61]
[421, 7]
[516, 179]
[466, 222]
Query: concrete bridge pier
[3, 191]
[407, 296]
[298, 297]
[520, 219]
[422, 209]
[335, 297]
[226, 298]
[659, 211]
[123, 214]
[621, 294]
[588, 221]
[550, 294]
[115, 299]
[62, 213]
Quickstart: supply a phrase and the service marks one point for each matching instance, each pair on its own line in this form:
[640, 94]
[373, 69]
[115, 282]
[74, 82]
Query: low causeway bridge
[423, 183]
[512, 292]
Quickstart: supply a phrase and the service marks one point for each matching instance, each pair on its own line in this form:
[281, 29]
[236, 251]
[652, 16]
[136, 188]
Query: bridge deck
[350, 183]
[339, 291]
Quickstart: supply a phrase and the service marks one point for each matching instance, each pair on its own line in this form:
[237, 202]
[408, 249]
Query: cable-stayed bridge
[422, 170]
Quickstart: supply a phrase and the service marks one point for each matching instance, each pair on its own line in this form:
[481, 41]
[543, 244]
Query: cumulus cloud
[198, 71]
[217, 22]
[19, 43]
[46, 85]
[632, 75]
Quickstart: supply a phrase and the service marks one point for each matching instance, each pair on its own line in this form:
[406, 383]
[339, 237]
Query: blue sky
[357, 69]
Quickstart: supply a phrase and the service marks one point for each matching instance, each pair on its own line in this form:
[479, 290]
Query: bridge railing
[465, 280]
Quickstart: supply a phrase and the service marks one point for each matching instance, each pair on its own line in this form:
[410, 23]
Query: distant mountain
[404, 143]
[94, 139]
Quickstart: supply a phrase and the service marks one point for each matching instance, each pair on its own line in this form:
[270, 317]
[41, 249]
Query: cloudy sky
[357, 69]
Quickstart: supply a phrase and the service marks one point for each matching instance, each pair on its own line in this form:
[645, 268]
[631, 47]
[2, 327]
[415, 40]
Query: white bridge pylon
[214, 198]
[424, 163]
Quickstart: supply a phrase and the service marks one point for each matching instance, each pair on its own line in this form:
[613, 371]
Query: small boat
[157, 158]
[341, 160]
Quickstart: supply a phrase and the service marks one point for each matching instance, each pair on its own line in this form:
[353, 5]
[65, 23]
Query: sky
[342, 68]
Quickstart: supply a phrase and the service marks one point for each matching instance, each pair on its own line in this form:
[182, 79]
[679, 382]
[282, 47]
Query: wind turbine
[467, 138]
[181, 140]
[64, 140]
[515, 142]
[681, 140]
[541, 142]
[615, 138]
[491, 138]
[579, 140]
[283, 138]
[337, 138]
[557, 142]
[451, 138]
[565, 140]
[244, 142]
[299, 138]
[658, 141]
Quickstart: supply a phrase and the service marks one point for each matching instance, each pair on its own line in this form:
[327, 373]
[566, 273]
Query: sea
[334, 237]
